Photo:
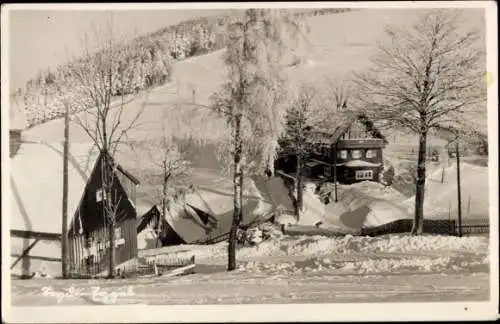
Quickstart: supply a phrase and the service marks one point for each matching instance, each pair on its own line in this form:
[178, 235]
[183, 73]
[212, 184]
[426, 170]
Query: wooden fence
[442, 227]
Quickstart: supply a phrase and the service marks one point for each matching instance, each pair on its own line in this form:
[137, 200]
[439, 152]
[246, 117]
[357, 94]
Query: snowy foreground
[295, 270]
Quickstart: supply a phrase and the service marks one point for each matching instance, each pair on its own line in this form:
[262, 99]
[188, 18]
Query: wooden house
[352, 152]
[36, 213]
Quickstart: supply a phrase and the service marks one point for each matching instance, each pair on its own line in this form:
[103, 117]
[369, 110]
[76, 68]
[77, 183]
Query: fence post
[468, 207]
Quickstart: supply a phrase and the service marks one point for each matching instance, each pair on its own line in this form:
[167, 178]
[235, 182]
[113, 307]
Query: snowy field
[295, 270]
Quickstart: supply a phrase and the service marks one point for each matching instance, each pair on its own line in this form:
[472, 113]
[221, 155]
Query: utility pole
[64, 236]
[335, 171]
[459, 193]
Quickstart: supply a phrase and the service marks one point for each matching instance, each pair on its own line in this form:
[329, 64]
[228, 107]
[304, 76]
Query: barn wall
[94, 236]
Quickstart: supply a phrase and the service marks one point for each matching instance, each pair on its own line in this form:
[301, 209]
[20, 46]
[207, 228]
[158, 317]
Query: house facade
[353, 153]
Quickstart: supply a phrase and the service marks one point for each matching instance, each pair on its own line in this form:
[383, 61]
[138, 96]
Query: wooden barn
[36, 210]
[154, 231]
[203, 216]
[352, 152]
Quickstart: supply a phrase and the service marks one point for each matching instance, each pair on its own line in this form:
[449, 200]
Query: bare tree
[98, 83]
[252, 97]
[337, 91]
[166, 161]
[429, 76]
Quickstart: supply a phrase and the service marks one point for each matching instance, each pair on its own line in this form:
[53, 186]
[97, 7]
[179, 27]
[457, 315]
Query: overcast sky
[39, 39]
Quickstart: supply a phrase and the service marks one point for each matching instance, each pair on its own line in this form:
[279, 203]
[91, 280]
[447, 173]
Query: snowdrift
[360, 205]
[351, 254]
[441, 197]
[277, 194]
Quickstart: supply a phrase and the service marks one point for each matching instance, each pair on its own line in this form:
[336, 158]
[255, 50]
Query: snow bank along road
[395, 268]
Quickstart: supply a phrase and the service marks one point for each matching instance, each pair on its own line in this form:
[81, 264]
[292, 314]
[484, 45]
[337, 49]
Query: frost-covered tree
[253, 97]
[429, 76]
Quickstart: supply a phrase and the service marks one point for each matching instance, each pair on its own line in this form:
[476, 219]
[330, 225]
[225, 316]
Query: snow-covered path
[240, 287]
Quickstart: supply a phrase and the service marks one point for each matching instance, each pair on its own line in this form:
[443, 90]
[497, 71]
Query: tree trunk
[163, 203]
[237, 184]
[64, 238]
[418, 221]
[111, 270]
[300, 192]
[109, 210]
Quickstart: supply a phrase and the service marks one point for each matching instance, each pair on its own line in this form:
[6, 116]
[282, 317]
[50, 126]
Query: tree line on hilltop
[142, 63]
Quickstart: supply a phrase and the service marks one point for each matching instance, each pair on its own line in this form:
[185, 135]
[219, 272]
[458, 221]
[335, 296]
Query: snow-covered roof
[36, 179]
[361, 163]
[185, 222]
[345, 121]
[217, 201]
